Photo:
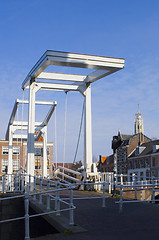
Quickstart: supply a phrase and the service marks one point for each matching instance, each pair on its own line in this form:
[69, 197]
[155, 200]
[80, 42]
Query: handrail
[12, 182]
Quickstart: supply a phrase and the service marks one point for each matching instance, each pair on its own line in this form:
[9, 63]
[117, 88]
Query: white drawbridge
[37, 79]
[39, 128]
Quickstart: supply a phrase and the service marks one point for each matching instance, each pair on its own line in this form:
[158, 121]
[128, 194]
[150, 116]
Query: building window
[130, 165]
[147, 163]
[141, 176]
[48, 151]
[15, 150]
[147, 174]
[141, 163]
[4, 165]
[38, 151]
[37, 163]
[135, 164]
[4, 150]
[153, 162]
[153, 173]
[48, 164]
[125, 156]
[15, 164]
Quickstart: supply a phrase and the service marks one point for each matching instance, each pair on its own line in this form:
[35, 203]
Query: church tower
[138, 123]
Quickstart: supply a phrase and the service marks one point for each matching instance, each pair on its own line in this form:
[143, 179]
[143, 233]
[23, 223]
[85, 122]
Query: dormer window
[155, 148]
[139, 150]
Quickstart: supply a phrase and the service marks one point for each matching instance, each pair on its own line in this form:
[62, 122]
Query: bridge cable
[64, 150]
[55, 139]
[21, 158]
[79, 135]
[17, 135]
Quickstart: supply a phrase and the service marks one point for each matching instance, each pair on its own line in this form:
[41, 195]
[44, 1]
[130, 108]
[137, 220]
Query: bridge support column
[10, 148]
[87, 132]
[44, 130]
[31, 127]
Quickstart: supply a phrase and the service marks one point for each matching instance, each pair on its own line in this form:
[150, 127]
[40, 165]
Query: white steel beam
[44, 170]
[12, 117]
[57, 87]
[96, 75]
[10, 160]
[87, 132]
[49, 114]
[19, 136]
[37, 102]
[72, 60]
[61, 76]
[31, 127]
[23, 123]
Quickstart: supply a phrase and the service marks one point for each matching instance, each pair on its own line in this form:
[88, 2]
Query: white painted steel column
[10, 150]
[31, 126]
[87, 132]
[44, 130]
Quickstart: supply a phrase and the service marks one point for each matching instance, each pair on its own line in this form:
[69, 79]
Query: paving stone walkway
[138, 220]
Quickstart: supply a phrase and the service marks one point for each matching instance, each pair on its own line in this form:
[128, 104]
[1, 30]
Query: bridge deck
[138, 220]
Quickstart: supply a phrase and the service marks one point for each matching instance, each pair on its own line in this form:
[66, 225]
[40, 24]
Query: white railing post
[22, 183]
[19, 182]
[121, 179]
[121, 199]
[16, 183]
[56, 196]
[34, 197]
[8, 182]
[57, 199]
[110, 184]
[29, 183]
[3, 183]
[40, 195]
[27, 234]
[135, 189]
[71, 206]
[103, 198]
[48, 195]
[153, 190]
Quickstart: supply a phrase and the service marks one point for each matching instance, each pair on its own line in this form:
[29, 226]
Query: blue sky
[117, 28]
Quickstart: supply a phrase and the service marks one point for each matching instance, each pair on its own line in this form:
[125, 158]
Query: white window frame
[4, 164]
[15, 165]
[5, 149]
[15, 152]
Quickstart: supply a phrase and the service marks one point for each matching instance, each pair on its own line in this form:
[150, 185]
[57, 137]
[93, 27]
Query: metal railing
[32, 187]
[91, 186]
[45, 191]
[149, 185]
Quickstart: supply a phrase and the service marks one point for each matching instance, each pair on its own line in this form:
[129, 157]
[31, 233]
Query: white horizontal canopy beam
[19, 136]
[61, 77]
[83, 63]
[58, 87]
[22, 123]
[94, 76]
[72, 60]
[37, 102]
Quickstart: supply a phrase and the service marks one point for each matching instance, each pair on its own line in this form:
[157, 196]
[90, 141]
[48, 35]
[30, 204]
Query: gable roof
[148, 148]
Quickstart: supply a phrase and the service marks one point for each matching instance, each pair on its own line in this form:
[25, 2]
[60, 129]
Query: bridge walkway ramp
[138, 220]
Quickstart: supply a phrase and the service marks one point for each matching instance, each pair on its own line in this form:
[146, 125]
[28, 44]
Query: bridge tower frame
[103, 66]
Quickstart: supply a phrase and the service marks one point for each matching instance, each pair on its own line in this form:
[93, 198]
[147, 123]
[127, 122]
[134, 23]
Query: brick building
[105, 164]
[144, 161]
[123, 146]
[19, 155]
